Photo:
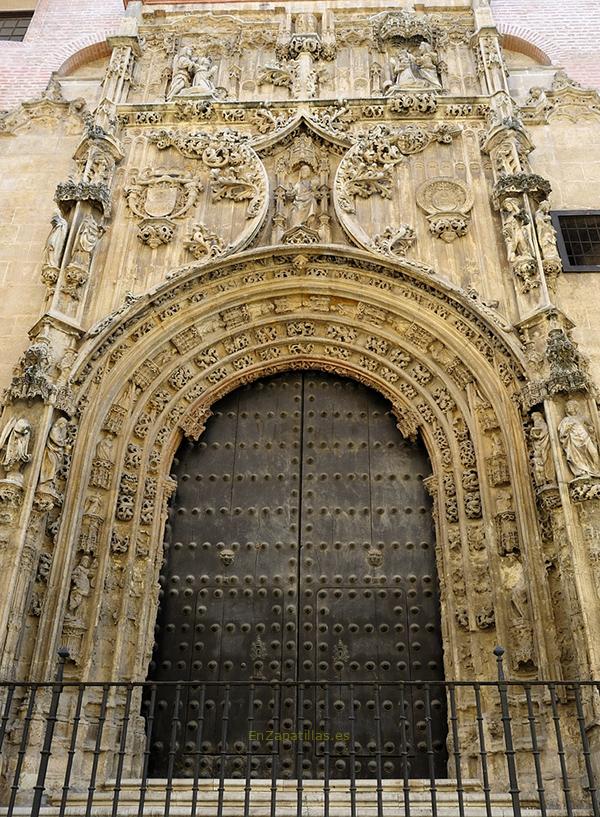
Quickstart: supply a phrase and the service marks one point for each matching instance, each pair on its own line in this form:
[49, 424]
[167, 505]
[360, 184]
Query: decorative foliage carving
[566, 373]
[394, 241]
[70, 192]
[31, 375]
[203, 243]
[518, 184]
[367, 168]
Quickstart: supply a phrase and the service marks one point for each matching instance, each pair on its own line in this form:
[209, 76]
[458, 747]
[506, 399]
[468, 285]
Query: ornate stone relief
[157, 197]
[447, 203]
[203, 243]
[235, 173]
[31, 377]
[192, 76]
[368, 170]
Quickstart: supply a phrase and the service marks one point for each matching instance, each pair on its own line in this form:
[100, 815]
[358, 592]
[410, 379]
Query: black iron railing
[496, 746]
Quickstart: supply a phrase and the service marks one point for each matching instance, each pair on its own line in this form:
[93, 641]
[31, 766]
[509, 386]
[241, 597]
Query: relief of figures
[414, 71]
[193, 76]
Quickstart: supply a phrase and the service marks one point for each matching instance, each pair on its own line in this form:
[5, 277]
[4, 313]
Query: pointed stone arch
[150, 373]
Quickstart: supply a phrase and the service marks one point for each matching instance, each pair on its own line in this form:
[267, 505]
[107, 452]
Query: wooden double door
[299, 550]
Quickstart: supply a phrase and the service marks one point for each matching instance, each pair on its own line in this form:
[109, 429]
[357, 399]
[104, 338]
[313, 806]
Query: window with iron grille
[578, 236]
[14, 24]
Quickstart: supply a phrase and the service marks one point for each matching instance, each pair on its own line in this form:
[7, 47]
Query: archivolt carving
[217, 327]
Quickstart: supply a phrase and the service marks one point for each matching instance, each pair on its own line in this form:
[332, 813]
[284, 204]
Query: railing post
[40, 784]
[508, 739]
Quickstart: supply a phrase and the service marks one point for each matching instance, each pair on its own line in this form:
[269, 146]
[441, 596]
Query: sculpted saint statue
[546, 232]
[539, 435]
[87, 237]
[515, 231]
[55, 242]
[427, 61]
[305, 197]
[80, 583]
[104, 448]
[54, 452]
[577, 439]
[15, 443]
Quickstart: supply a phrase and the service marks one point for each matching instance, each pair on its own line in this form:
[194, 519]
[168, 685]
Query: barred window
[14, 24]
[578, 239]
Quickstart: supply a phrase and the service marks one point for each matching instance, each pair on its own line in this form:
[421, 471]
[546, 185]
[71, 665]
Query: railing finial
[499, 653]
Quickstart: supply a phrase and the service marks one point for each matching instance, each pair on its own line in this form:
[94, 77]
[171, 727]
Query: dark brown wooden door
[299, 548]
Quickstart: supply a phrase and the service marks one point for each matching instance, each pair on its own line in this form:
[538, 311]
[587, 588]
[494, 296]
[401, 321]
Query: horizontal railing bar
[148, 684]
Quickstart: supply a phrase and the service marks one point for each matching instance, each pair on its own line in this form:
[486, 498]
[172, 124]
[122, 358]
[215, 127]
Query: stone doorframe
[150, 372]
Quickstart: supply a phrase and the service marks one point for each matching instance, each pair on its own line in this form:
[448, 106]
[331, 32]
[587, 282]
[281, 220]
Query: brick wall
[568, 31]
[59, 29]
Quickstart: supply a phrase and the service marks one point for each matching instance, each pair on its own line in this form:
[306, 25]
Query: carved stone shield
[161, 200]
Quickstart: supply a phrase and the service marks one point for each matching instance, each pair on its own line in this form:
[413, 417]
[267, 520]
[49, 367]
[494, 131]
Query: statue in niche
[53, 455]
[14, 442]
[304, 196]
[543, 470]
[546, 232]
[81, 586]
[55, 242]
[104, 448]
[86, 239]
[301, 195]
[516, 231]
[577, 438]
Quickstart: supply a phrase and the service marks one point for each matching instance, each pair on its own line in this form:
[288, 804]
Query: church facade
[308, 403]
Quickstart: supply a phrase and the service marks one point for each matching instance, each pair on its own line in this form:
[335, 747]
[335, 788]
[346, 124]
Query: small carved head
[374, 557]
[227, 555]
